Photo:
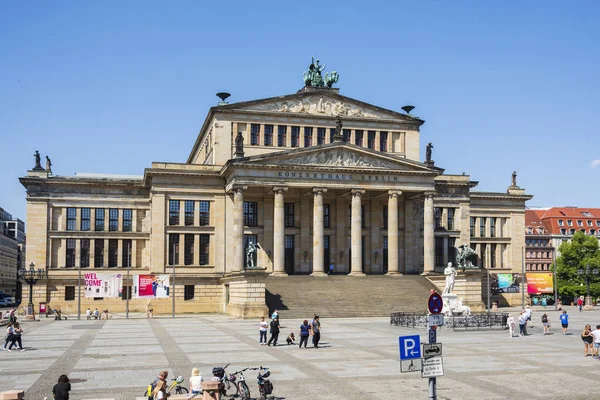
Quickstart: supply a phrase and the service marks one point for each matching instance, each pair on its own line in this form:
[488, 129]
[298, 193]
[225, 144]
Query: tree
[581, 251]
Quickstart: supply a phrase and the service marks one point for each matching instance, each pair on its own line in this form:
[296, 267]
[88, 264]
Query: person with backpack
[546, 324]
[274, 332]
[151, 390]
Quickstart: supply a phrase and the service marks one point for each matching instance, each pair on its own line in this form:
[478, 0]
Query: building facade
[539, 251]
[271, 187]
[12, 248]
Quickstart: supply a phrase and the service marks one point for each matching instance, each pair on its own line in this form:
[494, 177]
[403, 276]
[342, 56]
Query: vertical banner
[103, 285]
[153, 286]
[540, 282]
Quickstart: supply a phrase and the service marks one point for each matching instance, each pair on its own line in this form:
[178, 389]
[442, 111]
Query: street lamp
[588, 274]
[31, 276]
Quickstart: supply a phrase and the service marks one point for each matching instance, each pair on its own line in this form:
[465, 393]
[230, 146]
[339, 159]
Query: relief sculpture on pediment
[321, 105]
[339, 158]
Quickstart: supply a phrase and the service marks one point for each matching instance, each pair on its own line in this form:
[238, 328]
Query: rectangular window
[289, 214]
[385, 217]
[189, 212]
[70, 259]
[188, 292]
[437, 218]
[188, 249]
[482, 222]
[173, 212]
[493, 255]
[247, 240]
[126, 293]
[326, 216]
[579, 223]
[569, 222]
[363, 221]
[69, 293]
[204, 248]
[450, 221]
[281, 136]
[204, 213]
[346, 133]
[308, 131]
[71, 218]
[268, 135]
[113, 219]
[472, 226]
[173, 248]
[452, 250]
[99, 223]
[326, 251]
[439, 251]
[561, 222]
[320, 136]
[84, 253]
[371, 140]
[127, 220]
[113, 253]
[331, 134]
[492, 227]
[98, 253]
[358, 138]
[383, 141]
[126, 253]
[250, 213]
[254, 134]
[483, 256]
[85, 219]
[295, 136]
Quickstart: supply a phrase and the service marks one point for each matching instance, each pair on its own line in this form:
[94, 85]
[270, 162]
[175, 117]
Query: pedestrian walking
[528, 313]
[596, 335]
[304, 333]
[274, 332]
[546, 324]
[316, 330]
[588, 341]
[522, 324]
[564, 321]
[510, 321]
[62, 388]
[331, 268]
[580, 304]
[263, 331]
[9, 334]
[16, 337]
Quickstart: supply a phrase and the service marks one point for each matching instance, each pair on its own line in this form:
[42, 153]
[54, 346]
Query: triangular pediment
[336, 155]
[324, 102]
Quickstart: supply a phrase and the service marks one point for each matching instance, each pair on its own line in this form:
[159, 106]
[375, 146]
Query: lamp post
[31, 276]
[588, 274]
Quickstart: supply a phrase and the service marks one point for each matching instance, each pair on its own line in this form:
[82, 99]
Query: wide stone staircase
[301, 296]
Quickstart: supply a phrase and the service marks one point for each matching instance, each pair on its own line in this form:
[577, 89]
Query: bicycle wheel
[263, 395]
[244, 391]
[181, 390]
[227, 388]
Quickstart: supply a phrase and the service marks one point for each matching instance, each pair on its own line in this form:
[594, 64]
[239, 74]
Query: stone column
[278, 232]
[428, 239]
[238, 229]
[393, 264]
[318, 233]
[356, 233]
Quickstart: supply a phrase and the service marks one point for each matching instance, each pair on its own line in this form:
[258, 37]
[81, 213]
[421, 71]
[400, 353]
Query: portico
[303, 204]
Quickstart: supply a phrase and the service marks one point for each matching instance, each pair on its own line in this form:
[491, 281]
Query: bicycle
[240, 384]
[175, 384]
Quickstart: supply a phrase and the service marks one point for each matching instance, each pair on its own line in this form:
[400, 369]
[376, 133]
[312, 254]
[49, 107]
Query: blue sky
[109, 87]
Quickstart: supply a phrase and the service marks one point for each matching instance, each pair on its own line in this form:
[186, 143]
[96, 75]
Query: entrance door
[289, 254]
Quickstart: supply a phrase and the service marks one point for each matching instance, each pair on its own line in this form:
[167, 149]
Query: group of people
[591, 341]
[274, 327]
[89, 314]
[13, 336]
[524, 321]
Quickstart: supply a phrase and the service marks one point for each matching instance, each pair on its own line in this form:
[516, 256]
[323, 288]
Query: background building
[12, 248]
[278, 186]
[539, 249]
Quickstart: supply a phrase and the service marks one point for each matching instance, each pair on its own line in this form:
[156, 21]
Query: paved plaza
[116, 359]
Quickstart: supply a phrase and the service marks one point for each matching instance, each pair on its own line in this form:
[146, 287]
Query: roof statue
[514, 178]
[314, 78]
[38, 166]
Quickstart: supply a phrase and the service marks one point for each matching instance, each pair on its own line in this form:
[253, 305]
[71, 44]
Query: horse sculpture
[465, 257]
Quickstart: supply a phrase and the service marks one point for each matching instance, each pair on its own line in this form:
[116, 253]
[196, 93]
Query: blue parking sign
[410, 347]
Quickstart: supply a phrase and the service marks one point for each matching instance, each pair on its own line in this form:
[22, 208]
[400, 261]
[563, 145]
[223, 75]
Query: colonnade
[318, 231]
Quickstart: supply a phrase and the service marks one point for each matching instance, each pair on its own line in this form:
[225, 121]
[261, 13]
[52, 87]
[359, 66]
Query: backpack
[150, 389]
[544, 318]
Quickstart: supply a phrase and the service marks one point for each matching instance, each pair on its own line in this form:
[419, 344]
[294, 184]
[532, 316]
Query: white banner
[103, 285]
[151, 286]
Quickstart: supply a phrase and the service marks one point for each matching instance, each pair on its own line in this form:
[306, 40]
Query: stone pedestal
[210, 390]
[450, 301]
[467, 285]
[247, 293]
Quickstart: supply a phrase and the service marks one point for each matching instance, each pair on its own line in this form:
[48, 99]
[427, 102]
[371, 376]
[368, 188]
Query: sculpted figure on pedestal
[450, 273]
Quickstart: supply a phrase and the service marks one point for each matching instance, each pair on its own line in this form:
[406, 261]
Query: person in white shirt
[264, 325]
[88, 314]
[196, 382]
[510, 321]
[528, 316]
[96, 314]
[596, 334]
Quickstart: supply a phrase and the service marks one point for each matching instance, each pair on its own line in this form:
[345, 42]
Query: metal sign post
[432, 384]
[432, 361]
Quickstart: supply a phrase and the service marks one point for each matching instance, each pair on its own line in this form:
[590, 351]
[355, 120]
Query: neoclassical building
[277, 186]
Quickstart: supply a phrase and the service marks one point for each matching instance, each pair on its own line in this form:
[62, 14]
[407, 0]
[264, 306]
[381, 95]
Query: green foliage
[580, 252]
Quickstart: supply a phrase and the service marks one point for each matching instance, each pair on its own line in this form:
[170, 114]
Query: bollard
[12, 395]
[211, 390]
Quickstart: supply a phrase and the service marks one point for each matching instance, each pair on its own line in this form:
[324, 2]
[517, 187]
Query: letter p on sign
[410, 347]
